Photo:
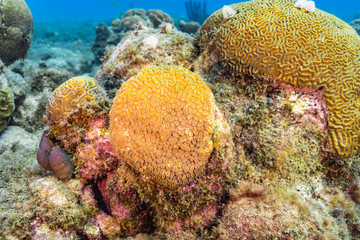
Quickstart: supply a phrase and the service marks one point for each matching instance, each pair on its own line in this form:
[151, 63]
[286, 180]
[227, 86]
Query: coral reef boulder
[161, 123]
[157, 17]
[189, 27]
[69, 96]
[145, 48]
[356, 25]
[279, 44]
[16, 29]
[133, 19]
[255, 212]
[72, 202]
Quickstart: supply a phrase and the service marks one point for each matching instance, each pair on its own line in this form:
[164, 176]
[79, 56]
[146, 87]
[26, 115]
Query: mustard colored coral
[69, 96]
[161, 124]
[274, 39]
[208, 29]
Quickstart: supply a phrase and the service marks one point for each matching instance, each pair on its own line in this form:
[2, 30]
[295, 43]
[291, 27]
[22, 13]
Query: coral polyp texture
[274, 39]
[70, 96]
[161, 124]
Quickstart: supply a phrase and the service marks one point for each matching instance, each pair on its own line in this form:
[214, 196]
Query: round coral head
[70, 96]
[274, 39]
[161, 124]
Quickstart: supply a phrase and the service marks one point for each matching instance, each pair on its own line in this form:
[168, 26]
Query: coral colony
[246, 130]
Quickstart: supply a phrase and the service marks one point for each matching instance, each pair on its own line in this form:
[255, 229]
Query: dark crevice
[100, 200]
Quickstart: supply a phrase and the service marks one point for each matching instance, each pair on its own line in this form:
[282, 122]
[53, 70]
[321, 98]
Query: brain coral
[274, 39]
[69, 96]
[161, 124]
[208, 29]
[16, 30]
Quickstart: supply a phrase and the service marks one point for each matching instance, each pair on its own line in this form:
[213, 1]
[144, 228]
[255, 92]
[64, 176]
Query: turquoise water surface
[80, 10]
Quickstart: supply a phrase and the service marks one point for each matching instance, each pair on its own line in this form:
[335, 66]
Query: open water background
[105, 10]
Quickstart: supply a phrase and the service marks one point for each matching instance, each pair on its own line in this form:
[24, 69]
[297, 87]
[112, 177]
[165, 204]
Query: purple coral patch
[44, 151]
[60, 163]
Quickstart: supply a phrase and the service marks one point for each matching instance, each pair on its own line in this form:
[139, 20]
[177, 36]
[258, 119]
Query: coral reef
[132, 54]
[16, 29]
[161, 123]
[193, 146]
[108, 36]
[53, 196]
[126, 210]
[254, 213]
[236, 49]
[70, 96]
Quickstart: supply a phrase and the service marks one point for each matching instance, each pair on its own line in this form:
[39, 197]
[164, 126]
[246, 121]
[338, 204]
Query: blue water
[81, 10]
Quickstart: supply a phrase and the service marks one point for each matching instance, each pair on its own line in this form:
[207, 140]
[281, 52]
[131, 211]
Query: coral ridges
[310, 58]
[161, 124]
[192, 201]
[69, 96]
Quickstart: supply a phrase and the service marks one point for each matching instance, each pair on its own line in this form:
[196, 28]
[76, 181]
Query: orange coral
[161, 124]
[274, 39]
[69, 96]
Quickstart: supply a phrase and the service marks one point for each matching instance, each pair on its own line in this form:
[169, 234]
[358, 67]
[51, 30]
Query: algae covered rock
[16, 29]
[7, 105]
[108, 36]
[145, 48]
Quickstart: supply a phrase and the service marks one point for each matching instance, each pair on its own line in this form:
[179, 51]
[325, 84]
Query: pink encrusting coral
[306, 104]
[95, 157]
[126, 209]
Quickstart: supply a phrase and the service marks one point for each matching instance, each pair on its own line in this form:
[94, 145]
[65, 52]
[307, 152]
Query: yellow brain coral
[69, 96]
[161, 124]
[211, 24]
[276, 40]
